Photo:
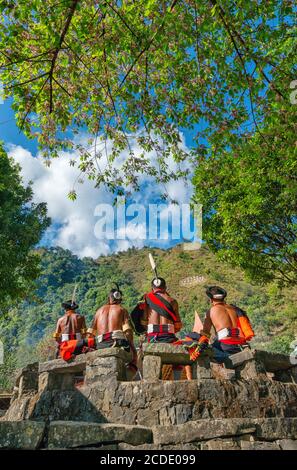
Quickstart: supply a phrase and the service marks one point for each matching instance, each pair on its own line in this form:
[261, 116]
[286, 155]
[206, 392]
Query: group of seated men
[157, 317]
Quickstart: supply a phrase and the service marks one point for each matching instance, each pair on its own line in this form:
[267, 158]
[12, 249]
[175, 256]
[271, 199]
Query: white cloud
[73, 222]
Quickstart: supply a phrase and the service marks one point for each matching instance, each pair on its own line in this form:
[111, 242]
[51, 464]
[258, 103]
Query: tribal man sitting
[111, 326]
[160, 314]
[231, 324]
[70, 333]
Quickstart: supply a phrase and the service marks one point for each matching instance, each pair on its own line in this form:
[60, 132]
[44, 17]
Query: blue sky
[73, 223]
[9, 132]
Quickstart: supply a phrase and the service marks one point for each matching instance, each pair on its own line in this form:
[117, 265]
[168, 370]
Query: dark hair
[116, 294]
[69, 305]
[216, 293]
[158, 283]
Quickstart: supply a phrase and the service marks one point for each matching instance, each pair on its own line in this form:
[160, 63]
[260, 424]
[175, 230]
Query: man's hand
[197, 350]
[203, 343]
[91, 333]
[178, 326]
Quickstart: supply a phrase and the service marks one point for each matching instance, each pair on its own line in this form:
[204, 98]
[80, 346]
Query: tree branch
[147, 46]
[26, 59]
[62, 87]
[32, 103]
[27, 81]
[57, 50]
[123, 21]
[228, 29]
[222, 15]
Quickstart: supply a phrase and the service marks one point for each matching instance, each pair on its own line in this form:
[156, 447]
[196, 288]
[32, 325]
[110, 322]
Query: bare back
[220, 316]
[71, 323]
[110, 317]
[155, 318]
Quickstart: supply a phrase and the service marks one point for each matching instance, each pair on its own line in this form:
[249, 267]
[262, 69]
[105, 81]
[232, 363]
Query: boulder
[68, 434]
[29, 372]
[26, 381]
[21, 434]
[169, 353]
[237, 359]
[152, 368]
[276, 428]
[21, 408]
[203, 429]
[201, 369]
[287, 444]
[222, 373]
[220, 444]
[250, 370]
[51, 381]
[123, 446]
[273, 361]
[101, 448]
[147, 417]
[105, 369]
[259, 445]
[79, 363]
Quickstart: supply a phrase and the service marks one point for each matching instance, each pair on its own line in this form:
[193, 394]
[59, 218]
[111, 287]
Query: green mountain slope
[27, 328]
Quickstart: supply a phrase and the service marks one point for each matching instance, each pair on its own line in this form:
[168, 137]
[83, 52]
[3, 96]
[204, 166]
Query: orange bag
[73, 347]
[244, 323]
[67, 349]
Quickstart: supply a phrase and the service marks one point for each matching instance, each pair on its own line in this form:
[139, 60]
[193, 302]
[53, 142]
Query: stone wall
[206, 434]
[243, 408]
[164, 403]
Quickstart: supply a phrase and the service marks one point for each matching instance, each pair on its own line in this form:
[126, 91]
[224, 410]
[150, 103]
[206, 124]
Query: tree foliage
[133, 75]
[249, 196]
[138, 72]
[22, 223]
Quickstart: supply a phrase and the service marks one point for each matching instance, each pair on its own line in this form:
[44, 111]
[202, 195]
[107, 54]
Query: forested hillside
[26, 329]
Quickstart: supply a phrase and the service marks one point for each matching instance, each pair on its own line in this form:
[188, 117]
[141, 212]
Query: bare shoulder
[216, 309]
[169, 298]
[99, 310]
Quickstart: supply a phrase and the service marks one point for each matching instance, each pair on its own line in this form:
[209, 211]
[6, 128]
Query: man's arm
[128, 332]
[144, 318]
[83, 329]
[207, 325]
[57, 333]
[127, 328]
[91, 332]
[203, 341]
[178, 323]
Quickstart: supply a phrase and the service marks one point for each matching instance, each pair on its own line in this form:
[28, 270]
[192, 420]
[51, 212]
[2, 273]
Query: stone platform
[206, 434]
[252, 404]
